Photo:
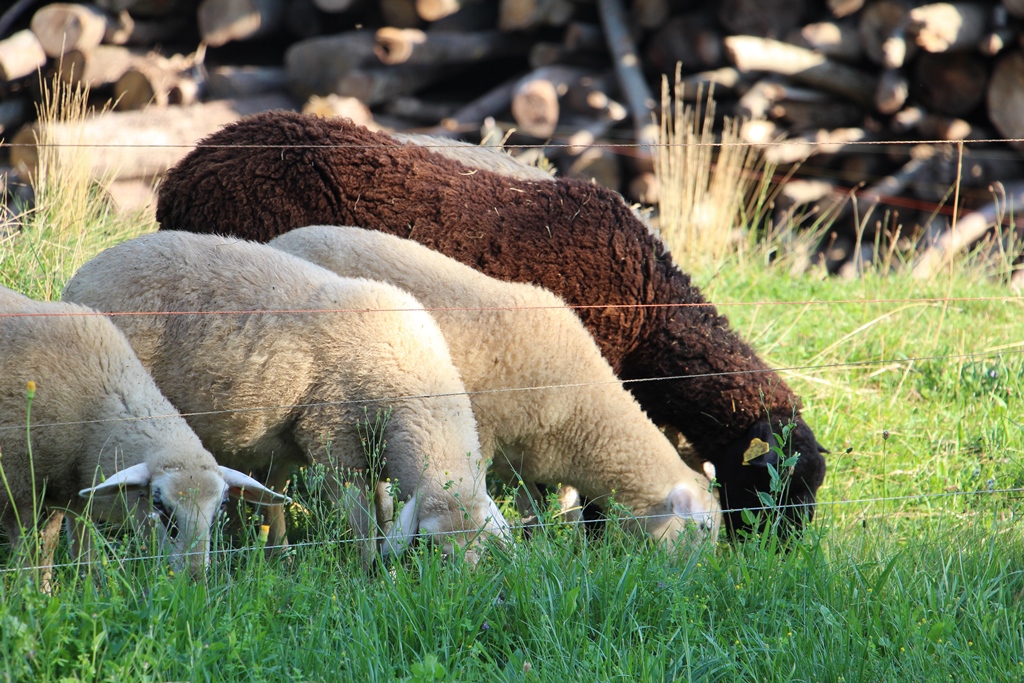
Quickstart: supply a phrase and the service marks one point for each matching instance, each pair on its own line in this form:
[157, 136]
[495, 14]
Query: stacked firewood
[824, 77]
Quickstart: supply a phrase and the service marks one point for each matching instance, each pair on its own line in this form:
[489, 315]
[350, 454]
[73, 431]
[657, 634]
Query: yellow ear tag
[756, 449]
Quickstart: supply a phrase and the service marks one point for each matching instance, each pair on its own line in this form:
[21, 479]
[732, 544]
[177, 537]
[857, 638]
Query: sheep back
[274, 360]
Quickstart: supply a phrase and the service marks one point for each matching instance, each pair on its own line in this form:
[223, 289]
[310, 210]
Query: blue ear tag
[756, 449]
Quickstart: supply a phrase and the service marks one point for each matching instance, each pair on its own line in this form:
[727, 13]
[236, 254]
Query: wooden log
[374, 85]
[101, 66]
[536, 99]
[14, 111]
[892, 92]
[749, 53]
[882, 28]
[332, 106]
[523, 15]
[968, 229]
[1005, 97]
[224, 21]
[399, 13]
[947, 26]
[20, 55]
[938, 127]
[148, 142]
[64, 26]
[472, 114]
[693, 39]
[950, 83]
[155, 81]
[836, 39]
[632, 83]
[230, 82]
[816, 112]
[727, 81]
[801, 108]
[412, 46]
[314, 66]
[799, 148]
[763, 18]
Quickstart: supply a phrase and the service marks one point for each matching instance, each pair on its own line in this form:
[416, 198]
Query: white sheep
[266, 386]
[543, 395]
[98, 428]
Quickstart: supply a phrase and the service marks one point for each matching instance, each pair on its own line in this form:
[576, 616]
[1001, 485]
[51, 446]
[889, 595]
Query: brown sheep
[275, 171]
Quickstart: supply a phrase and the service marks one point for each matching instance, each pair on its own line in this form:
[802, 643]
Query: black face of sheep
[750, 459]
[577, 239]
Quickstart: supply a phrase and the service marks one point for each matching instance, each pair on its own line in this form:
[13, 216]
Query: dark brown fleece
[276, 171]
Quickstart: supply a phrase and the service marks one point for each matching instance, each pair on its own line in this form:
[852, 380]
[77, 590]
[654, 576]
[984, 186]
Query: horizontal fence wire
[539, 524]
[630, 149]
[544, 387]
[538, 145]
[576, 307]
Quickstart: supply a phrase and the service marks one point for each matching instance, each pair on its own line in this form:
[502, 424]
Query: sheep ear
[403, 530]
[129, 479]
[709, 470]
[681, 501]
[248, 489]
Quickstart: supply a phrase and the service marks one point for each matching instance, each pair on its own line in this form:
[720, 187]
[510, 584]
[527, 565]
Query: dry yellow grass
[71, 219]
[711, 188]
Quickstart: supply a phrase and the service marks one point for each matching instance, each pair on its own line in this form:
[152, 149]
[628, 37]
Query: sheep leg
[273, 515]
[569, 504]
[49, 535]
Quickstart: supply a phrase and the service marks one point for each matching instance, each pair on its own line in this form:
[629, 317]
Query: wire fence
[545, 387]
[867, 145]
[538, 524]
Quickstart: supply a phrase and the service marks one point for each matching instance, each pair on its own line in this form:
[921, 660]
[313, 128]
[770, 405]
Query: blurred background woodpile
[579, 80]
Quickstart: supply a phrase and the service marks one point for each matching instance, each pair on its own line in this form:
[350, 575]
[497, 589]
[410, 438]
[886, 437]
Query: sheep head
[183, 504]
[690, 511]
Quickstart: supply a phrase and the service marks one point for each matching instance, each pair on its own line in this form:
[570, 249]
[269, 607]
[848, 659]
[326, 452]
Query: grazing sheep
[97, 413]
[589, 433]
[266, 387]
[275, 171]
